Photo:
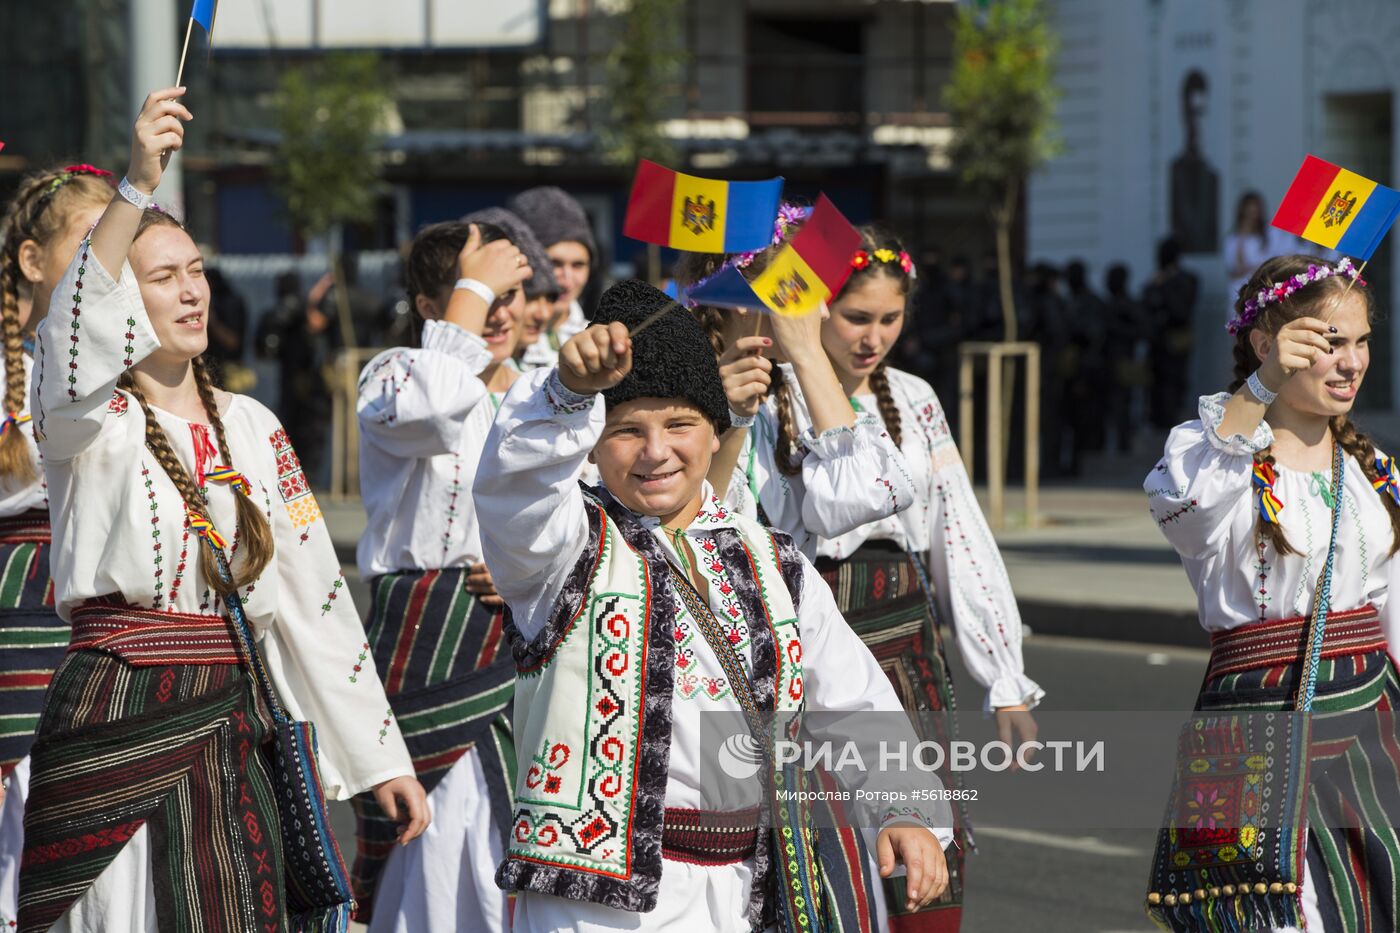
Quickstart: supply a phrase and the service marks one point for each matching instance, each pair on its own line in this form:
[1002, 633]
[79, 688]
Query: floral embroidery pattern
[542, 774]
[155, 535]
[180, 563]
[74, 326]
[453, 492]
[119, 404]
[130, 336]
[291, 482]
[384, 726]
[1176, 515]
[563, 401]
[330, 597]
[1261, 571]
[360, 663]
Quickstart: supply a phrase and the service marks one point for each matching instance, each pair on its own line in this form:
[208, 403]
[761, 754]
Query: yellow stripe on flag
[789, 286]
[1335, 212]
[698, 207]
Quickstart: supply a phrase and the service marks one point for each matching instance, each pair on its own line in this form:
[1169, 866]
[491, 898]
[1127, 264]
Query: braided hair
[42, 209]
[253, 533]
[692, 268]
[1271, 318]
[882, 254]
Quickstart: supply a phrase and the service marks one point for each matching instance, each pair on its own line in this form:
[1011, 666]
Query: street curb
[1177, 628]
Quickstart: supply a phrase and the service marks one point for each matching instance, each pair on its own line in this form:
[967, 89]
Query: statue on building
[1195, 187]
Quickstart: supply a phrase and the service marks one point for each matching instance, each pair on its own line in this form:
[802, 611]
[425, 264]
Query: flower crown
[862, 260]
[63, 178]
[1273, 294]
[789, 216]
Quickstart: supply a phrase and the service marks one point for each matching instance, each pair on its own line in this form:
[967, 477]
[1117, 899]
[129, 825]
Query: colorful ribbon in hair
[1264, 479]
[227, 474]
[203, 527]
[1384, 483]
[11, 420]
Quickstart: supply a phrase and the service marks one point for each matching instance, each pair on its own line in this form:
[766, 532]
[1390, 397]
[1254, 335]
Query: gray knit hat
[672, 358]
[555, 217]
[519, 233]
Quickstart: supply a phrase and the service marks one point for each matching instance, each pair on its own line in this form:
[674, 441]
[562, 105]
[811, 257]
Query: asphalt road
[1047, 881]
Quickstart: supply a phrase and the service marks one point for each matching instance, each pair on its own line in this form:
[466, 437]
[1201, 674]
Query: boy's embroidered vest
[593, 704]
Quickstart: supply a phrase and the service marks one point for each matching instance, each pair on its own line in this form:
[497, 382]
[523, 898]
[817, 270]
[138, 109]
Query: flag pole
[1347, 291]
[652, 318]
[189, 29]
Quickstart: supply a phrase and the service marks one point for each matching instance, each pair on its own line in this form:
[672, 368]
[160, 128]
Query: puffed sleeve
[970, 583]
[1203, 479]
[413, 402]
[852, 477]
[96, 329]
[527, 495]
[315, 647]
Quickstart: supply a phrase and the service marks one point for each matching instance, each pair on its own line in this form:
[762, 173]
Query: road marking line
[1088, 844]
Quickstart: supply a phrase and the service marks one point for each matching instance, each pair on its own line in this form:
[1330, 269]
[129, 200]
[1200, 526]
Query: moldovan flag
[701, 215]
[807, 271]
[1338, 209]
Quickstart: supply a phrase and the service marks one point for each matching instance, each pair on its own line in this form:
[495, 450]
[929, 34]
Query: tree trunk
[1003, 217]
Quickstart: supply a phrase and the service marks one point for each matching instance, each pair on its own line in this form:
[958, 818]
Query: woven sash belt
[709, 837]
[145, 637]
[1282, 643]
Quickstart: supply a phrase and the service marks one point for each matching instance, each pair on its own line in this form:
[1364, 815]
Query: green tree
[1001, 100]
[329, 115]
[643, 67]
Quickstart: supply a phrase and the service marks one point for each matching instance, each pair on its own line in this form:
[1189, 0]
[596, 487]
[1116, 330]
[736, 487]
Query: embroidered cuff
[837, 442]
[1013, 690]
[1212, 412]
[562, 399]
[446, 337]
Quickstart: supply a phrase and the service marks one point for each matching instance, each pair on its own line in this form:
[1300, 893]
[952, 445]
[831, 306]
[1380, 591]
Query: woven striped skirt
[1352, 795]
[151, 722]
[450, 679]
[32, 636]
[885, 600]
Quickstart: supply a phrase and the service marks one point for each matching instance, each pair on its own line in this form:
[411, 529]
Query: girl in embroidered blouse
[1245, 496]
[49, 215]
[147, 463]
[424, 413]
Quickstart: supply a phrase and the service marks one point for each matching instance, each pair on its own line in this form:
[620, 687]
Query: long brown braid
[253, 531]
[1308, 300]
[41, 211]
[691, 268]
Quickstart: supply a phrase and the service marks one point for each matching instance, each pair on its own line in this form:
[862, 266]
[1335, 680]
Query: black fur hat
[672, 358]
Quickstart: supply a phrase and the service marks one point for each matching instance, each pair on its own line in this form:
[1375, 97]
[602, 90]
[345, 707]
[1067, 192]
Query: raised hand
[159, 131]
[499, 265]
[596, 359]
[746, 374]
[1296, 347]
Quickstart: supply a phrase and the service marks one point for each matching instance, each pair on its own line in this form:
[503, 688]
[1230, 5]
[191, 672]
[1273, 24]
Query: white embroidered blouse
[534, 528]
[17, 497]
[1202, 497]
[424, 414]
[937, 514]
[120, 525]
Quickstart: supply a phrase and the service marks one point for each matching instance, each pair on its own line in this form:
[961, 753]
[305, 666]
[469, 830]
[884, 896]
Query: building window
[806, 72]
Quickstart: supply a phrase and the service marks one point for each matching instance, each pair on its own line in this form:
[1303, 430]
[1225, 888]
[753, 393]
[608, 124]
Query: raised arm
[528, 501]
[100, 328]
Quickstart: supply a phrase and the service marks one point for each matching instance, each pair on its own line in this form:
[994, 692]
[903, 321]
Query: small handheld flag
[202, 12]
[1333, 207]
[806, 272]
[701, 215]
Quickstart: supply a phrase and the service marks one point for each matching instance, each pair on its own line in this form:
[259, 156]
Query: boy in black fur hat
[562, 226]
[638, 606]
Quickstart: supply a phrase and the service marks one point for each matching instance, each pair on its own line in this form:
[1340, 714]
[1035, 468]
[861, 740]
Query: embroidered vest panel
[593, 706]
